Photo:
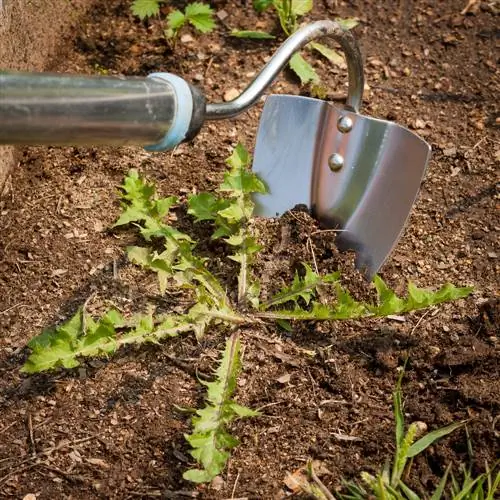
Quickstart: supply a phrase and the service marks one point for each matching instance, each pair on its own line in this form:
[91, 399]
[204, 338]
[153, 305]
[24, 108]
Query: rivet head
[335, 162]
[344, 124]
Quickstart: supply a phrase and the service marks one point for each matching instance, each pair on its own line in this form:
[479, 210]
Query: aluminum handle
[86, 110]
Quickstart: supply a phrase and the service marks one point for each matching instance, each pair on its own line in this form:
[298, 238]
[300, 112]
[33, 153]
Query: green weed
[199, 15]
[289, 12]
[209, 439]
[173, 256]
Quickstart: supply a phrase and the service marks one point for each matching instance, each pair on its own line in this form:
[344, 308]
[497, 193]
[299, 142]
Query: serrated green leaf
[62, 347]
[239, 158]
[200, 15]
[176, 20]
[204, 206]
[303, 69]
[197, 476]
[301, 288]
[145, 8]
[209, 440]
[254, 35]
[348, 23]
[236, 239]
[347, 307]
[242, 411]
[283, 323]
[163, 206]
[261, 5]
[130, 214]
[301, 7]
[233, 213]
[332, 55]
[388, 301]
[139, 255]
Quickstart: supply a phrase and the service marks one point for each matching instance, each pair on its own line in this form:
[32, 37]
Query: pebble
[419, 123]
[187, 38]
[217, 483]
[231, 94]
[421, 428]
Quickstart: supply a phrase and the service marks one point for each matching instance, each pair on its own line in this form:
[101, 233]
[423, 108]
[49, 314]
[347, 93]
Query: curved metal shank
[292, 44]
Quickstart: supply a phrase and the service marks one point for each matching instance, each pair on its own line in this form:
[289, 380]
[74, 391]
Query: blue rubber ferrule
[182, 116]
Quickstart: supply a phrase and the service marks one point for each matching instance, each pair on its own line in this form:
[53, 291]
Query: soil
[110, 428]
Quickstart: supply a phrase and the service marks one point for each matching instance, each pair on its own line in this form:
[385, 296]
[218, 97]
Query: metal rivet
[335, 162]
[344, 124]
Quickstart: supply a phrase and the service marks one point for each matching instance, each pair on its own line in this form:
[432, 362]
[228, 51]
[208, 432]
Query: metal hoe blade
[358, 174]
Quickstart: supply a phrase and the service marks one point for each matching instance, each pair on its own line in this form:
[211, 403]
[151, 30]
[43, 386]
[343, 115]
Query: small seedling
[199, 15]
[388, 484]
[289, 12]
[146, 8]
[173, 256]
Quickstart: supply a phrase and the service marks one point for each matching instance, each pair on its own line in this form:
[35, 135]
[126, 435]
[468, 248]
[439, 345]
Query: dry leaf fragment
[345, 437]
[284, 379]
[98, 461]
[299, 481]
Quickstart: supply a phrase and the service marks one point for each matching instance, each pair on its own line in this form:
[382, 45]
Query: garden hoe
[358, 175]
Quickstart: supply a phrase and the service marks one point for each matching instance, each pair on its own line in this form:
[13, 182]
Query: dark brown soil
[109, 429]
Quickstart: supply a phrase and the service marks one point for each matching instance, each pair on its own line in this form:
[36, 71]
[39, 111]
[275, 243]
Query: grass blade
[424, 442]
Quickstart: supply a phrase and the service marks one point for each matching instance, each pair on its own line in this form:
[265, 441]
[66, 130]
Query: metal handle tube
[79, 110]
[281, 57]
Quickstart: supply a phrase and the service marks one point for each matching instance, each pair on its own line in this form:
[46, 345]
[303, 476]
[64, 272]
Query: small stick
[5, 311]
[235, 484]
[32, 439]
[419, 321]
[48, 451]
[311, 249]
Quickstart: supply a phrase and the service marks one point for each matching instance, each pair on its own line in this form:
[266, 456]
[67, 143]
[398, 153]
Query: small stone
[222, 14]
[421, 428]
[419, 123]
[450, 152]
[434, 350]
[187, 38]
[29, 496]
[492, 255]
[217, 483]
[198, 77]
[231, 94]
